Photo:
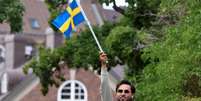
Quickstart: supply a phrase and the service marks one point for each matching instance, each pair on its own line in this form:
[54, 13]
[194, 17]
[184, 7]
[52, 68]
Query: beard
[124, 99]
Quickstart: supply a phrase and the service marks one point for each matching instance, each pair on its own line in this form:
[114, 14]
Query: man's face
[124, 93]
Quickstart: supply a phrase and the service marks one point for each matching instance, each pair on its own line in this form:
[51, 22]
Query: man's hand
[103, 59]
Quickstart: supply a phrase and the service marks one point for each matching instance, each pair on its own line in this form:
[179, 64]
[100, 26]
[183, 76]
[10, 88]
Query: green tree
[119, 40]
[77, 52]
[12, 12]
[165, 69]
[174, 71]
[141, 13]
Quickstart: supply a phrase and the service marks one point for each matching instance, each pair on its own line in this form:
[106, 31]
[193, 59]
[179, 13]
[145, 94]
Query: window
[28, 51]
[72, 90]
[2, 54]
[34, 23]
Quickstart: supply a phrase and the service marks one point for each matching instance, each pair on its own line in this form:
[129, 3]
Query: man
[124, 90]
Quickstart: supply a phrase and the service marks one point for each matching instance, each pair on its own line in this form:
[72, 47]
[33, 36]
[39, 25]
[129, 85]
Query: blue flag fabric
[68, 19]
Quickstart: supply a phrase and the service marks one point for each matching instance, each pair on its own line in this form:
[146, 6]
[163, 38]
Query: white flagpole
[88, 23]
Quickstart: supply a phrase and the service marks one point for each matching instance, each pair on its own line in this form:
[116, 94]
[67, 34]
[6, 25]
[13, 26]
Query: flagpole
[88, 23]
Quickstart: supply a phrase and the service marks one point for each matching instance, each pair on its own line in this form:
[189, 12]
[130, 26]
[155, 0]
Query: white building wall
[9, 51]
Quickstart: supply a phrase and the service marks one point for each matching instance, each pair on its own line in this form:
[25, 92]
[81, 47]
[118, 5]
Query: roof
[34, 10]
[110, 15]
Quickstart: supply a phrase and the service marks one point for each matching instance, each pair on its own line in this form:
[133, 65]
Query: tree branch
[118, 9]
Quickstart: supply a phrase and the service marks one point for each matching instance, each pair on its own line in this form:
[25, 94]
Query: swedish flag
[67, 20]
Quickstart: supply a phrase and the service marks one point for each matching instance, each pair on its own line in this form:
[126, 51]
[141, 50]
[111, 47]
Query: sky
[118, 2]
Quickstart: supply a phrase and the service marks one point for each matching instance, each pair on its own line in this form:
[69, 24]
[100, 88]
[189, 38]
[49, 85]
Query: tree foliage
[12, 12]
[77, 52]
[158, 41]
[174, 70]
[140, 12]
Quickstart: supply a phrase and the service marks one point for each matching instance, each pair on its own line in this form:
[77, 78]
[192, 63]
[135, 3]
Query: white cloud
[118, 2]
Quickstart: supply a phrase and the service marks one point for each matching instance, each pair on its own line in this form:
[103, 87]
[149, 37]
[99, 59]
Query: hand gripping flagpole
[88, 23]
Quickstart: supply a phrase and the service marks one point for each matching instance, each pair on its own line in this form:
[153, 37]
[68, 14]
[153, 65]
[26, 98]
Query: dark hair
[127, 83]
